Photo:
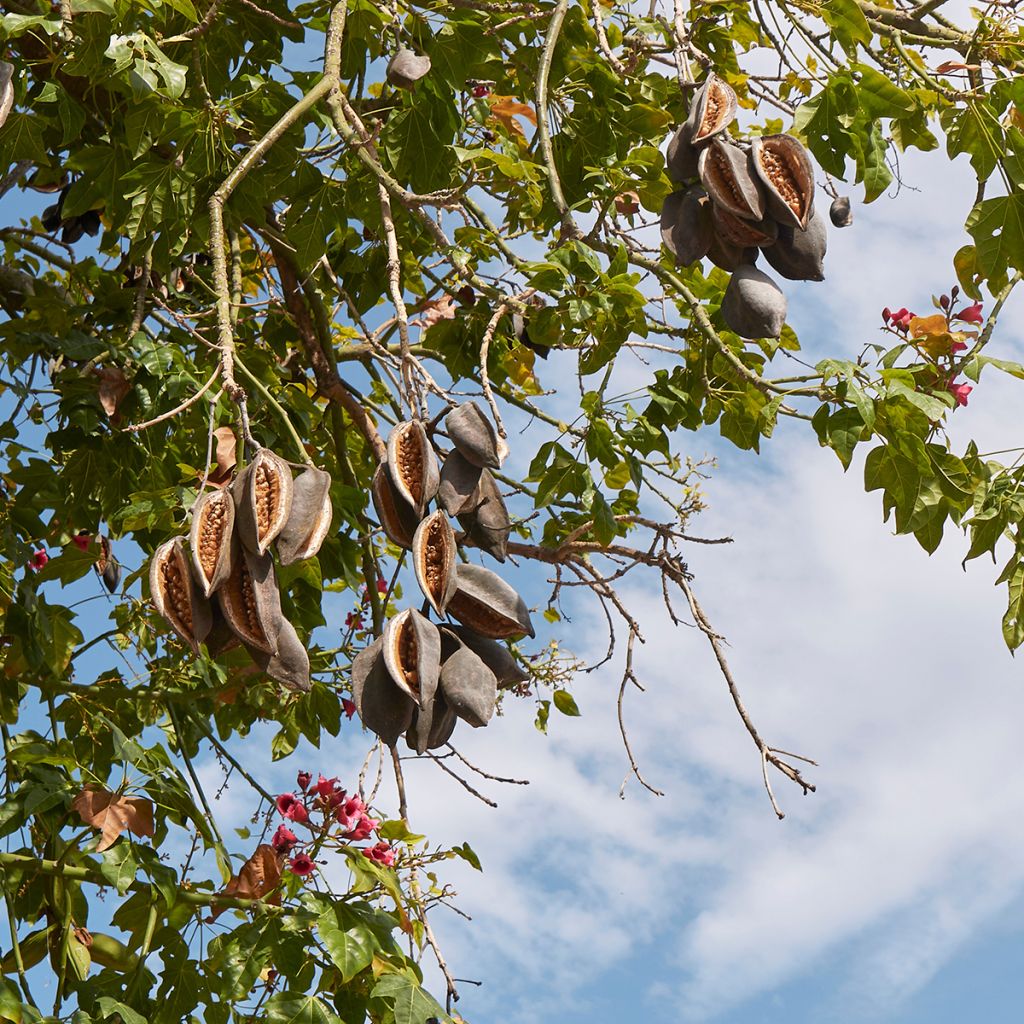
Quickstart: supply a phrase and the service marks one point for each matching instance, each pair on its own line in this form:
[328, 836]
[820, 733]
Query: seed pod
[263, 500]
[429, 735]
[433, 557]
[469, 687]
[712, 109]
[176, 596]
[497, 657]
[743, 234]
[211, 539]
[6, 90]
[799, 255]
[384, 708]
[412, 465]
[686, 225]
[753, 305]
[309, 519]
[785, 169]
[111, 574]
[840, 213]
[251, 602]
[474, 436]
[681, 155]
[221, 638]
[724, 254]
[459, 479]
[290, 664]
[487, 521]
[412, 656]
[726, 172]
[397, 518]
[107, 951]
[406, 67]
[488, 605]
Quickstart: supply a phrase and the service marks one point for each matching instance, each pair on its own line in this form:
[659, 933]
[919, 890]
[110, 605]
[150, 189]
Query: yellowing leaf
[112, 813]
[506, 109]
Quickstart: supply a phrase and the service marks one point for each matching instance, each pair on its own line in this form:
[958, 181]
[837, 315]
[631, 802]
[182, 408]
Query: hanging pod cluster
[419, 677]
[741, 198]
[222, 590]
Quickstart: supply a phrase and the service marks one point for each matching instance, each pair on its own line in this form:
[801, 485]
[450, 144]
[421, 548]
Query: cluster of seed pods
[418, 677]
[742, 198]
[218, 586]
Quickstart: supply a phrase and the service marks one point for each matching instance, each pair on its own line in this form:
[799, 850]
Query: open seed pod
[486, 520]
[211, 539]
[263, 500]
[290, 663]
[474, 436]
[221, 638]
[176, 596]
[384, 708]
[799, 255]
[726, 172]
[412, 464]
[785, 170]
[743, 234]
[251, 602]
[497, 657]
[429, 734]
[681, 155]
[433, 557]
[686, 225]
[6, 90]
[406, 68]
[712, 109]
[310, 516]
[469, 686]
[412, 654]
[397, 518]
[459, 479]
[840, 213]
[485, 603]
[753, 305]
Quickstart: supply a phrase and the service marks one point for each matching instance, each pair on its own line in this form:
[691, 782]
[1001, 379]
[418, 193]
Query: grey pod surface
[486, 520]
[412, 654]
[384, 708]
[474, 435]
[430, 734]
[469, 686]
[496, 656]
[712, 109]
[412, 465]
[263, 500]
[397, 517]
[800, 255]
[681, 155]
[727, 174]
[6, 90]
[485, 603]
[251, 602]
[686, 229]
[310, 516]
[289, 665]
[785, 170]
[840, 213]
[406, 68]
[459, 479]
[753, 305]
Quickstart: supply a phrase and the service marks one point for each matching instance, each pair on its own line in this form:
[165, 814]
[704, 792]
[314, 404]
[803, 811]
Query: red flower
[291, 808]
[480, 91]
[302, 865]
[284, 839]
[381, 853]
[960, 392]
[303, 779]
[901, 319]
[325, 787]
[886, 314]
[354, 620]
[957, 346]
[81, 541]
[348, 707]
[363, 828]
[382, 585]
[39, 559]
[971, 315]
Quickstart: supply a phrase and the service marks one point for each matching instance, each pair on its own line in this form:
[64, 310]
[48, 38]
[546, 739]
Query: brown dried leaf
[951, 65]
[224, 454]
[506, 110]
[434, 310]
[112, 813]
[260, 875]
[113, 386]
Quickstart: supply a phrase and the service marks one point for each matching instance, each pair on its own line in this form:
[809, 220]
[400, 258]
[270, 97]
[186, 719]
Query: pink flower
[886, 315]
[957, 346]
[291, 808]
[284, 839]
[381, 853]
[81, 541]
[354, 620]
[901, 319]
[39, 559]
[302, 865]
[348, 707]
[325, 787]
[304, 779]
[382, 585]
[960, 392]
[363, 828]
[972, 314]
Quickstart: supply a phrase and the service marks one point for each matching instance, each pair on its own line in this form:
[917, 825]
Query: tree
[280, 244]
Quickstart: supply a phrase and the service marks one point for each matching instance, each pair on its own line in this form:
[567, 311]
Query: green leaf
[412, 1005]
[879, 97]
[566, 704]
[1013, 620]
[997, 227]
[298, 1008]
[466, 852]
[349, 943]
[119, 866]
[848, 24]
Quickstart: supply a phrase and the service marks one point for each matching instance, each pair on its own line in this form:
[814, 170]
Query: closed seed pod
[712, 109]
[487, 521]
[176, 596]
[686, 227]
[221, 638]
[459, 479]
[497, 657]
[310, 516]
[211, 537]
[469, 687]
[840, 213]
[251, 602]
[430, 734]
[753, 305]
[290, 663]
[474, 436]
[397, 518]
[799, 255]
[681, 155]
[111, 574]
[433, 557]
[724, 254]
[485, 603]
[406, 68]
[6, 90]
[263, 500]
[412, 654]
[412, 464]
[785, 170]
[743, 234]
[384, 708]
[726, 172]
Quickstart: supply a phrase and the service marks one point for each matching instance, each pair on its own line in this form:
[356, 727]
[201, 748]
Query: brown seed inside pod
[744, 234]
[435, 568]
[175, 592]
[240, 593]
[212, 526]
[782, 177]
[268, 498]
[407, 654]
[486, 621]
[410, 463]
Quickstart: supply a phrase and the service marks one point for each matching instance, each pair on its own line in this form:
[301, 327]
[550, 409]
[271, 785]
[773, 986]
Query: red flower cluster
[959, 392]
[381, 853]
[971, 315]
[899, 320]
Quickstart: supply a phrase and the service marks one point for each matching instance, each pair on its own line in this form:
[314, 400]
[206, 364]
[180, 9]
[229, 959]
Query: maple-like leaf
[225, 456]
[113, 386]
[260, 875]
[112, 813]
[506, 109]
[433, 310]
